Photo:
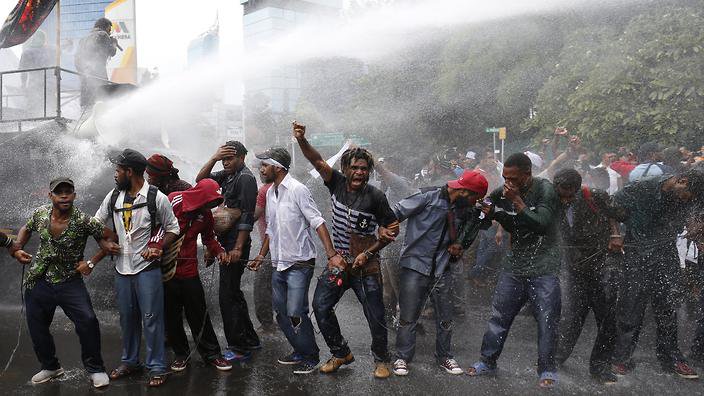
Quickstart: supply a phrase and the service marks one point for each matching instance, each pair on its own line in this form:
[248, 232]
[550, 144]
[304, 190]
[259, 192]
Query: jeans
[140, 300]
[512, 292]
[415, 289]
[489, 254]
[187, 296]
[389, 276]
[41, 302]
[263, 309]
[290, 300]
[239, 330]
[592, 287]
[649, 279]
[698, 343]
[369, 292]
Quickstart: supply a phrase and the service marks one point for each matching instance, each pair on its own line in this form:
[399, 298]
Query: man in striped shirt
[358, 209]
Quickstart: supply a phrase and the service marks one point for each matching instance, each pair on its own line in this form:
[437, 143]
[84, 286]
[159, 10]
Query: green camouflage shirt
[56, 259]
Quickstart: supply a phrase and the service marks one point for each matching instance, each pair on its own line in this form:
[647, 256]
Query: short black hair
[519, 160]
[695, 182]
[238, 146]
[354, 154]
[567, 178]
[103, 23]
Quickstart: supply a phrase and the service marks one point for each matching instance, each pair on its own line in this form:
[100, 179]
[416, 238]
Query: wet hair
[354, 154]
[695, 182]
[600, 178]
[238, 146]
[519, 160]
[568, 179]
[103, 24]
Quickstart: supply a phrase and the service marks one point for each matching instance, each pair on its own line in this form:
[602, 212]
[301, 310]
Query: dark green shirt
[534, 231]
[56, 258]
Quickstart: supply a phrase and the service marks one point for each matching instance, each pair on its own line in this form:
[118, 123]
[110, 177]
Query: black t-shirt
[360, 212]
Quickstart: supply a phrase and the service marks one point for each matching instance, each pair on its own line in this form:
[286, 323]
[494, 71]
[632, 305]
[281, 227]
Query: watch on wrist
[90, 264]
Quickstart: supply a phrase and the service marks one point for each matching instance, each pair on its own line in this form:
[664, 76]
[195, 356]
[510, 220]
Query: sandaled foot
[157, 380]
[480, 368]
[548, 380]
[124, 370]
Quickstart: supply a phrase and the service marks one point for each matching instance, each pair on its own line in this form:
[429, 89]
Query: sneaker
[220, 364]
[100, 380]
[179, 364]
[305, 367]
[382, 370]
[605, 377]
[334, 363]
[290, 359]
[400, 367]
[233, 356]
[683, 370]
[46, 375]
[451, 366]
[620, 369]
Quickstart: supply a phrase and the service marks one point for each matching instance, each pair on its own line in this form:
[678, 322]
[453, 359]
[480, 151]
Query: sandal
[548, 380]
[480, 368]
[124, 370]
[157, 380]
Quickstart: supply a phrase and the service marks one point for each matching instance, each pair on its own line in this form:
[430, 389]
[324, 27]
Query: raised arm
[311, 154]
[207, 169]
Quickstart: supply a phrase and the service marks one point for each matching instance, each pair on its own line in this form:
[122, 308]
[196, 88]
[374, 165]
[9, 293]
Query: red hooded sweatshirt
[187, 206]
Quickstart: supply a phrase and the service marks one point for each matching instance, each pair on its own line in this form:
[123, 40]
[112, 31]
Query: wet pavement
[263, 376]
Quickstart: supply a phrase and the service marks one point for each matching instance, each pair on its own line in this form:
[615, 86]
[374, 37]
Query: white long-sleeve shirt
[135, 240]
[291, 219]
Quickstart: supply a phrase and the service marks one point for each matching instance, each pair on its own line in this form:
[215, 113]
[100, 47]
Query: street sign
[336, 139]
[492, 130]
[502, 133]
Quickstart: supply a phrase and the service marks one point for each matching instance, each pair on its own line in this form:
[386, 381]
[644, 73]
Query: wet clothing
[358, 212]
[648, 170]
[91, 59]
[194, 222]
[651, 270]
[240, 192]
[72, 297]
[175, 184]
[534, 250]
[590, 277]
[5, 241]
[56, 258]
[263, 308]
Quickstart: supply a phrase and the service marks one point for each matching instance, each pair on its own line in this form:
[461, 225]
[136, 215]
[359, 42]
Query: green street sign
[492, 130]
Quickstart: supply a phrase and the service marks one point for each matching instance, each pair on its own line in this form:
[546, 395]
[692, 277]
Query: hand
[110, 247]
[511, 192]
[151, 254]
[545, 142]
[561, 131]
[208, 258]
[224, 152]
[337, 261]
[299, 130]
[360, 260]
[83, 268]
[22, 256]
[223, 258]
[499, 238]
[387, 235]
[235, 256]
[575, 142]
[256, 263]
[616, 244]
[487, 209]
[455, 250]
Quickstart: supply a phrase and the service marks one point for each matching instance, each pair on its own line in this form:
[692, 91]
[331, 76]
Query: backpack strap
[151, 204]
[113, 202]
[587, 194]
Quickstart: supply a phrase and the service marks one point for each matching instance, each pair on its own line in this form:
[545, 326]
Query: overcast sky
[165, 27]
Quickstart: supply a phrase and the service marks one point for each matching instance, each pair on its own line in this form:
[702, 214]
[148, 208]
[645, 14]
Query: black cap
[278, 154]
[130, 159]
[238, 146]
[59, 181]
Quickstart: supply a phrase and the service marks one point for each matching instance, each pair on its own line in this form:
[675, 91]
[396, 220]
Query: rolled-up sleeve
[169, 222]
[248, 202]
[307, 206]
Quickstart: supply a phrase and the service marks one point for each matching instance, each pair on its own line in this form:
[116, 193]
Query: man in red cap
[162, 174]
[432, 237]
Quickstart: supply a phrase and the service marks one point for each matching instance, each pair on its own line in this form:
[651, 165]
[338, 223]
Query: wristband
[90, 264]
[368, 254]
[336, 254]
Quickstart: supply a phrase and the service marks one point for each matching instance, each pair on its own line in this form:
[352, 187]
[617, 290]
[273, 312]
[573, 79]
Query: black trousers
[591, 284]
[41, 302]
[239, 330]
[649, 278]
[187, 296]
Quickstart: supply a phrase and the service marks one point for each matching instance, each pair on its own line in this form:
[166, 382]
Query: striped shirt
[358, 212]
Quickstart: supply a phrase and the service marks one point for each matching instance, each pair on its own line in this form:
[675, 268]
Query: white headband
[271, 161]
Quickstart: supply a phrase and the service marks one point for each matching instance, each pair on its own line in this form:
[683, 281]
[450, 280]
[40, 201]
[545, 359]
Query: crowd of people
[571, 233]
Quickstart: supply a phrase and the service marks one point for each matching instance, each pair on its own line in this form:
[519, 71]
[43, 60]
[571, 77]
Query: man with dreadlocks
[357, 210]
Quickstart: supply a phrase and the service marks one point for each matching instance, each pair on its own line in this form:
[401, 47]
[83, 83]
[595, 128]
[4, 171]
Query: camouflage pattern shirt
[56, 258]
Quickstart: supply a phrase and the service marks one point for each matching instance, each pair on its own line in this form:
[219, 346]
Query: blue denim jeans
[698, 343]
[489, 254]
[415, 289]
[290, 299]
[369, 292]
[140, 300]
[41, 302]
[512, 292]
